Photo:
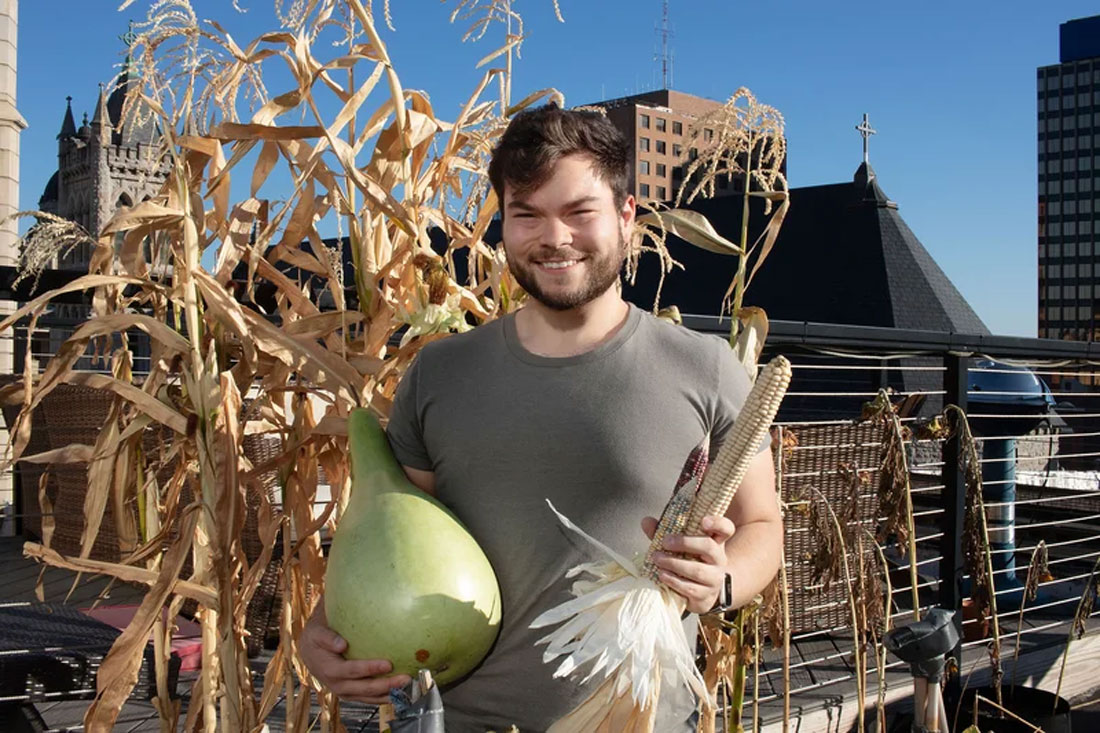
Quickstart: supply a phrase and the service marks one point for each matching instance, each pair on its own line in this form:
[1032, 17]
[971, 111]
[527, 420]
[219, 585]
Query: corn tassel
[626, 622]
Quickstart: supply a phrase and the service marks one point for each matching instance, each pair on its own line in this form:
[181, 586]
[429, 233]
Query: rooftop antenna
[665, 34]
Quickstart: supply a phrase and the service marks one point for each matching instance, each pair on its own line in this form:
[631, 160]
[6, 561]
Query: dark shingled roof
[139, 126]
[844, 255]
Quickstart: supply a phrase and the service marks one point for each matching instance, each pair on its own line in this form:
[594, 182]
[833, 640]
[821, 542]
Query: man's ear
[626, 215]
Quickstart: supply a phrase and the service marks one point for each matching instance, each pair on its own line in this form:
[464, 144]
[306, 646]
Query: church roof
[48, 200]
[844, 255]
[136, 128]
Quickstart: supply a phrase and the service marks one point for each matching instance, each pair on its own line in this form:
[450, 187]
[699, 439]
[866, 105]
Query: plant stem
[857, 656]
[743, 257]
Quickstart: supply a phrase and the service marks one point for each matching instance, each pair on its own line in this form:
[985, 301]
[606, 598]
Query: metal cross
[129, 36]
[865, 132]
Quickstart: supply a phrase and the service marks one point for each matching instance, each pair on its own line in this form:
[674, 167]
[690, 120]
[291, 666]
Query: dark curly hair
[537, 138]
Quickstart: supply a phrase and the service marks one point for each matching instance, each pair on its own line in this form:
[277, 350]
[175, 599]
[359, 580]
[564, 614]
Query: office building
[1069, 179]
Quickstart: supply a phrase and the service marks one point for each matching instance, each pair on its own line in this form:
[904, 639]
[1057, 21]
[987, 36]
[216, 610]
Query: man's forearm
[752, 558]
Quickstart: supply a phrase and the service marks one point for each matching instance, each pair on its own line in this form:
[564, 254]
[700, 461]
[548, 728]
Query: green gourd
[405, 580]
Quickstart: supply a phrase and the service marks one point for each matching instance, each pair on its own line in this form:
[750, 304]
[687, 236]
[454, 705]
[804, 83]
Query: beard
[602, 273]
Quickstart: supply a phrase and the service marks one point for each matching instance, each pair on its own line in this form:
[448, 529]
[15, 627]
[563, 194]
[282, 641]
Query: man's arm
[750, 554]
[322, 649]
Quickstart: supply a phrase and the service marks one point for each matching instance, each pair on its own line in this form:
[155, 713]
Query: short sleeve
[404, 430]
[732, 391]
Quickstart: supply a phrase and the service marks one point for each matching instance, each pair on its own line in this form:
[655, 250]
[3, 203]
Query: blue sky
[950, 88]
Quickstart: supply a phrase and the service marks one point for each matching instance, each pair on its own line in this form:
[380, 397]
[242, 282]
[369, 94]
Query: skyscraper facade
[1069, 185]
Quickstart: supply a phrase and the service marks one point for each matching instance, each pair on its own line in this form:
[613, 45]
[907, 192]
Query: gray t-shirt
[603, 435]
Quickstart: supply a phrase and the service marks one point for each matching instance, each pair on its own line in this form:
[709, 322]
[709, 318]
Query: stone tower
[11, 124]
[107, 163]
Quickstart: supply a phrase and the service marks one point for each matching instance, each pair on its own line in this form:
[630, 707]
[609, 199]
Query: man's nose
[556, 232]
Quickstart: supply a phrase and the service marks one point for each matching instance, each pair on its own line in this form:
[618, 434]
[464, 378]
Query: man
[578, 397]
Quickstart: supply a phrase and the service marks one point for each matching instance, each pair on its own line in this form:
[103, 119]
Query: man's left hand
[694, 567]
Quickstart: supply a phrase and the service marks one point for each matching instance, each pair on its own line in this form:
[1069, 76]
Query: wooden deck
[821, 666]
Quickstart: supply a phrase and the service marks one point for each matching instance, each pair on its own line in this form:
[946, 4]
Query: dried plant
[384, 165]
[977, 557]
[895, 494]
[1038, 570]
[172, 460]
[744, 139]
[47, 242]
[825, 520]
[1079, 625]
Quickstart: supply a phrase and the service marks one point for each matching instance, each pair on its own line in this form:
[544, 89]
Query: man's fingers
[649, 526]
[697, 595]
[719, 528]
[358, 669]
[375, 690]
[330, 640]
[691, 570]
[704, 548]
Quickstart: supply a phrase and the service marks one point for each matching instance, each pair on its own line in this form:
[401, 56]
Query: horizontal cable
[1032, 415]
[861, 367]
[1044, 500]
[867, 395]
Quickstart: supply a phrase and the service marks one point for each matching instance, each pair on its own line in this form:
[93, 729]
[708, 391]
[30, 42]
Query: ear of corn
[724, 476]
[676, 512]
[688, 506]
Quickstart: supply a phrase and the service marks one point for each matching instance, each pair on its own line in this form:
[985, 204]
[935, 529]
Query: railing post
[954, 504]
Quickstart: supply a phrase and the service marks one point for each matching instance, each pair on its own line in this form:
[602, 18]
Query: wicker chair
[821, 450]
[76, 414]
[26, 476]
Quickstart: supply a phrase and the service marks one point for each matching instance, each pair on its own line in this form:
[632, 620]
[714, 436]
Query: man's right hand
[322, 651]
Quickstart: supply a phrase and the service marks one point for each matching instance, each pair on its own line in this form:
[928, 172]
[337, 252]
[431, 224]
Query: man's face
[566, 240]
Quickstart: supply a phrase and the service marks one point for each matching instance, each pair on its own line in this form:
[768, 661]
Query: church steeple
[68, 125]
[101, 120]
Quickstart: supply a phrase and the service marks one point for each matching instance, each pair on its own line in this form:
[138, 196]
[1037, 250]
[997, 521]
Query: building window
[662, 171]
[661, 147]
[1084, 313]
[677, 150]
[1067, 81]
[645, 122]
[1083, 99]
[1071, 249]
[643, 167]
[693, 154]
[708, 134]
[1053, 104]
[644, 189]
[1054, 208]
[661, 193]
[678, 127]
[1070, 206]
[1068, 101]
[1054, 314]
[643, 144]
[1069, 272]
[661, 124]
[1054, 292]
[1071, 185]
